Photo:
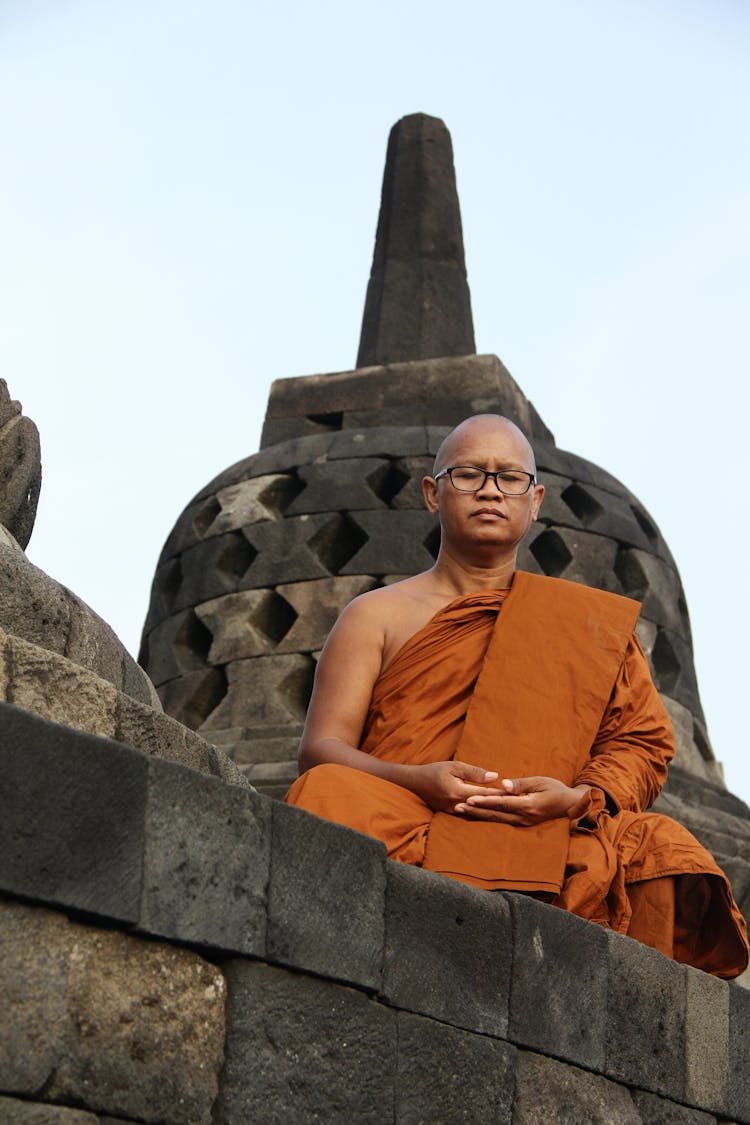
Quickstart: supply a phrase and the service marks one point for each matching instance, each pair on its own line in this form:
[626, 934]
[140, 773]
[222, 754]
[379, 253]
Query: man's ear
[537, 501]
[430, 494]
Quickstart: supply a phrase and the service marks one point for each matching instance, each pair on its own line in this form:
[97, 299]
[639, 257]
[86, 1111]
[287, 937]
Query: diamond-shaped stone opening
[297, 688]
[337, 541]
[432, 541]
[551, 552]
[236, 556]
[191, 643]
[700, 738]
[168, 579]
[274, 616]
[581, 503]
[387, 481]
[645, 524]
[206, 515]
[279, 493]
[205, 699]
[667, 667]
[631, 574]
[327, 422]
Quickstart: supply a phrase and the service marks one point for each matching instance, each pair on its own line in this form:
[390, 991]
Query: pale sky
[189, 198]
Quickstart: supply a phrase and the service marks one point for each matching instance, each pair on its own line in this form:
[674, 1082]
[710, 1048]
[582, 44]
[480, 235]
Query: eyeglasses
[467, 478]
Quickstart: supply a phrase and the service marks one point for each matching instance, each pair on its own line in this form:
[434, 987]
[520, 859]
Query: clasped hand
[469, 791]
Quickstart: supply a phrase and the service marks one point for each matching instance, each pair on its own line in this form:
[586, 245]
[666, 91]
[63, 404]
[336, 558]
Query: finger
[474, 773]
[471, 812]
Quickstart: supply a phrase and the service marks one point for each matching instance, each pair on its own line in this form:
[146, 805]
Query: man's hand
[445, 786]
[524, 801]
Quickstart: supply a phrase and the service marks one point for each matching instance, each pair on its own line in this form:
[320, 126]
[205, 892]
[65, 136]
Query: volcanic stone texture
[20, 468]
[418, 303]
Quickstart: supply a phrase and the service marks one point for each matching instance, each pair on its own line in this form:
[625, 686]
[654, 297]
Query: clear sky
[187, 210]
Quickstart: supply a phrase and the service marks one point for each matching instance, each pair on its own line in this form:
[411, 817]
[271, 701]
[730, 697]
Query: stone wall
[177, 948]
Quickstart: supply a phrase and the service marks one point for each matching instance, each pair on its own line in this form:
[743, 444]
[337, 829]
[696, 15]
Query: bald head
[485, 434]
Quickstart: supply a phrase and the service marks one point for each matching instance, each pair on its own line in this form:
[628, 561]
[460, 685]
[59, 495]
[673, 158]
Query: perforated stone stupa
[263, 559]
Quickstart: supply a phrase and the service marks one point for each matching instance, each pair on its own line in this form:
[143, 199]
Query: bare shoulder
[390, 615]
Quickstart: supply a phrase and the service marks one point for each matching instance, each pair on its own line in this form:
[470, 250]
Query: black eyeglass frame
[523, 472]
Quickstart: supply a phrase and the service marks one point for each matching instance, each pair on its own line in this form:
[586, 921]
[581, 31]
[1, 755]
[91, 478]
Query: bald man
[502, 728]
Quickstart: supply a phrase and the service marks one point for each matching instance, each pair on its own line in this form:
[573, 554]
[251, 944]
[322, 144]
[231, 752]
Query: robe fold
[555, 685]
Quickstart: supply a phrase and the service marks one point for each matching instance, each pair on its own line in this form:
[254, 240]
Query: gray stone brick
[449, 1075]
[177, 645]
[379, 441]
[409, 496]
[646, 1017]
[447, 950]
[650, 580]
[268, 690]
[213, 567]
[317, 605]
[579, 556]
[300, 548]
[706, 1040]
[279, 457]
[206, 860]
[13, 1111]
[253, 500]
[243, 625]
[331, 486]
[193, 697]
[23, 586]
[301, 1049]
[558, 992]
[326, 898]
[738, 1097]
[71, 829]
[395, 543]
[551, 1091]
[660, 1111]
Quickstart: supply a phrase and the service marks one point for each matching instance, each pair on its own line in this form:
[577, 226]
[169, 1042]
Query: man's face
[488, 517]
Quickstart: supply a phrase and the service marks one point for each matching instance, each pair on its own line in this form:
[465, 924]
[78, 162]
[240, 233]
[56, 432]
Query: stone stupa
[263, 559]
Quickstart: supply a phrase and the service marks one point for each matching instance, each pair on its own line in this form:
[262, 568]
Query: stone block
[279, 457]
[379, 441]
[579, 556]
[671, 661]
[317, 605]
[213, 567]
[554, 511]
[738, 1094]
[326, 898]
[300, 548]
[551, 1091]
[92, 644]
[59, 690]
[654, 1110]
[272, 779]
[179, 644]
[395, 542]
[706, 1040]
[651, 581]
[413, 469]
[266, 744]
[193, 697]
[605, 513]
[331, 486]
[206, 860]
[251, 501]
[646, 1017]
[270, 690]
[302, 1049]
[184, 533]
[71, 829]
[136, 683]
[449, 1075]
[13, 1111]
[558, 991]
[249, 623]
[448, 950]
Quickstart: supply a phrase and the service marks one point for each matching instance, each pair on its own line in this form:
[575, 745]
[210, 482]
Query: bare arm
[348, 667]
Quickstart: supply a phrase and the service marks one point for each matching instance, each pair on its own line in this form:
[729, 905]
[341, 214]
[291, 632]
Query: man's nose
[490, 483]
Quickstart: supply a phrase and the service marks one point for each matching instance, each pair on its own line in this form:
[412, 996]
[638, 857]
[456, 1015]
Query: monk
[502, 728]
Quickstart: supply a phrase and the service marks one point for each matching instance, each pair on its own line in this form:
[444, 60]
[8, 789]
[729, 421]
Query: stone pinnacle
[418, 304]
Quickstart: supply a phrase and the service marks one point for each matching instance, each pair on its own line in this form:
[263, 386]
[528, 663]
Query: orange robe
[556, 685]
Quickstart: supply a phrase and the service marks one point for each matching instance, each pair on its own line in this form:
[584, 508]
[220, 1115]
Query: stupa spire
[418, 304]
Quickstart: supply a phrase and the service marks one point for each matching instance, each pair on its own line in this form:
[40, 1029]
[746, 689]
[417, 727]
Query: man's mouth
[494, 512]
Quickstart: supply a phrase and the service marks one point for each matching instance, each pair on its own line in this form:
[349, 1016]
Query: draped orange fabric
[554, 685]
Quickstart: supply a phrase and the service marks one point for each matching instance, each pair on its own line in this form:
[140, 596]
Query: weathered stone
[551, 1091]
[300, 548]
[317, 604]
[671, 661]
[657, 586]
[330, 925]
[20, 468]
[394, 542]
[439, 1069]
[32, 605]
[409, 495]
[448, 950]
[278, 458]
[93, 646]
[738, 1095]
[206, 860]
[273, 779]
[563, 552]
[604, 512]
[194, 696]
[266, 690]
[379, 441]
[59, 690]
[646, 1014]
[249, 623]
[687, 752]
[215, 566]
[706, 1040]
[558, 991]
[332, 486]
[15, 1112]
[71, 826]
[654, 1110]
[251, 501]
[302, 1049]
